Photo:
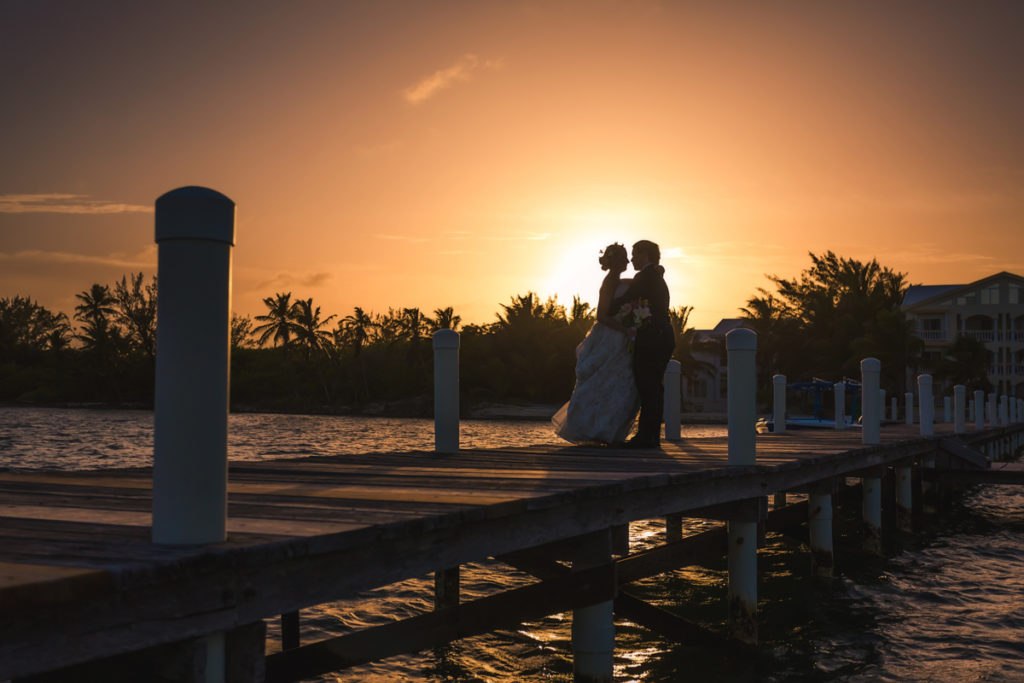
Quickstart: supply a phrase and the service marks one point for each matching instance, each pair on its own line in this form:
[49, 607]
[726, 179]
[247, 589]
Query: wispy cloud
[461, 71]
[65, 203]
[285, 280]
[146, 259]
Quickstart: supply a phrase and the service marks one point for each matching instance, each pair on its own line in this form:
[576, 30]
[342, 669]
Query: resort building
[708, 391]
[990, 310]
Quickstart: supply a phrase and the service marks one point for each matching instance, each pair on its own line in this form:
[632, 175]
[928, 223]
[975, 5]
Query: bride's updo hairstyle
[614, 257]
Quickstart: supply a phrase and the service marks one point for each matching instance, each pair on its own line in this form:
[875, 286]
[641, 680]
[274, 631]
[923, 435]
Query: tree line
[293, 357]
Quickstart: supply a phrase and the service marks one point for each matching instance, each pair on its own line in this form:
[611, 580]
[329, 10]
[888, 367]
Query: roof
[920, 294]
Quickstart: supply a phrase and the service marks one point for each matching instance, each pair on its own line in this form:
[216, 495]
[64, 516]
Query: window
[1014, 294]
[961, 301]
[990, 296]
[931, 324]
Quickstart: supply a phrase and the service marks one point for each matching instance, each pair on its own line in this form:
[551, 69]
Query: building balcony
[932, 335]
[982, 335]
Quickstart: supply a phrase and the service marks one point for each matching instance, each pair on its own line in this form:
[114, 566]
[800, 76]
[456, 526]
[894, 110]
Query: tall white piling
[926, 404]
[870, 377]
[908, 406]
[894, 412]
[870, 374]
[195, 232]
[593, 627]
[947, 409]
[446, 391]
[840, 404]
[819, 525]
[959, 399]
[979, 410]
[673, 401]
[990, 410]
[742, 561]
[1003, 410]
[779, 403]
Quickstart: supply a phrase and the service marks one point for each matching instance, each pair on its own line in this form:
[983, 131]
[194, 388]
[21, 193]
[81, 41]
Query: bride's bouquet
[635, 315]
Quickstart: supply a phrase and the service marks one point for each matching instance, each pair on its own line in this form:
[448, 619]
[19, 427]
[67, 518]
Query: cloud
[65, 203]
[286, 280]
[146, 259]
[459, 72]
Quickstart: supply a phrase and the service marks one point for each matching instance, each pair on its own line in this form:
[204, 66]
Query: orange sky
[400, 154]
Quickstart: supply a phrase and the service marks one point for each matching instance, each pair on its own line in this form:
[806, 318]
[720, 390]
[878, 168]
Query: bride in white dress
[605, 401]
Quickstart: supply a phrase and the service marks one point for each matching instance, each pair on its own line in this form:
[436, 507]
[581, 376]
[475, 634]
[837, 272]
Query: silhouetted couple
[621, 362]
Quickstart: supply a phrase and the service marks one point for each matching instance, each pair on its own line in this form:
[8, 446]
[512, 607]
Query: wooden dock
[80, 580]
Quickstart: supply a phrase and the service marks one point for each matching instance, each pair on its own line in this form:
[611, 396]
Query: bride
[605, 401]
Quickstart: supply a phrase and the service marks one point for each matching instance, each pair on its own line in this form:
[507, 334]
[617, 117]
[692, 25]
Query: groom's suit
[654, 344]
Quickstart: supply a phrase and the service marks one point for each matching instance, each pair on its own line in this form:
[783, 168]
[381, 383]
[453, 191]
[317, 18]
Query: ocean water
[946, 604]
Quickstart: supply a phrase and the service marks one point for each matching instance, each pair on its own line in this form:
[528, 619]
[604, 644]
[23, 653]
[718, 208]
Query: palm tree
[413, 324]
[97, 313]
[357, 327]
[308, 327]
[277, 323]
[137, 312]
[445, 319]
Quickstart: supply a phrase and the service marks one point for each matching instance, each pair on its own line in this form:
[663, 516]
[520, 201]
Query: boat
[816, 421]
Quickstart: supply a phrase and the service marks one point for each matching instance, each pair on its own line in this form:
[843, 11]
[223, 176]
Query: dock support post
[904, 497]
[979, 410]
[819, 525]
[446, 588]
[673, 528]
[593, 627]
[742, 561]
[908, 405]
[894, 412]
[290, 638]
[840, 404]
[779, 404]
[779, 500]
[446, 391]
[959, 399]
[195, 233]
[673, 401]
[947, 409]
[870, 372]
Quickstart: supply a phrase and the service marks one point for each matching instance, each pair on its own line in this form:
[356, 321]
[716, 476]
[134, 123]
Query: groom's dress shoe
[637, 442]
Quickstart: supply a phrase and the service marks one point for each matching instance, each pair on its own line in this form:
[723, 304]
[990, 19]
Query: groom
[654, 341]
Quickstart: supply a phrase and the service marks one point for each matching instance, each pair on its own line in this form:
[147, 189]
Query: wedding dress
[604, 404]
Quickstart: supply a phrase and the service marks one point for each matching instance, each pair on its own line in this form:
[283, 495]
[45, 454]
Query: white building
[990, 310]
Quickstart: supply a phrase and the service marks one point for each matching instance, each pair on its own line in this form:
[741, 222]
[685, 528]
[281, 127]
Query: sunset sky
[432, 154]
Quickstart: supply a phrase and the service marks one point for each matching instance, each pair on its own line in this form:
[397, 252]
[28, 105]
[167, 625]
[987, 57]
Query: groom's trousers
[654, 345]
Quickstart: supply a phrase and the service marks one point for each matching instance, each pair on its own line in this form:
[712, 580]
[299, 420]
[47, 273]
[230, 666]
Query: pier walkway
[80, 579]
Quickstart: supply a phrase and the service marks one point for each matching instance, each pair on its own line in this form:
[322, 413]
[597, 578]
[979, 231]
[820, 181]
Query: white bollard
[990, 410]
[673, 406]
[959, 399]
[979, 410]
[742, 559]
[908, 405]
[593, 627]
[446, 391]
[1003, 410]
[947, 409]
[894, 411]
[870, 377]
[840, 407]
[779, 404]
[195, 232]
[926, 404]
[741, 345]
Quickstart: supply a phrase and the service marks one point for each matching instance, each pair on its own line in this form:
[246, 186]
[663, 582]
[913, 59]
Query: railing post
[979, 410]
[779, 403]
[673, 405]
[926, 404]
[742, 561]
[195, 232]
[908, 405]
[959, 398]
[446, 391]
[593, 627]
[870, 372]
[840, 404]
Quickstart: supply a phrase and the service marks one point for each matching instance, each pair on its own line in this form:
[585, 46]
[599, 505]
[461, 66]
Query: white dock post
[990, 410]
[959, 399]
[947, 409]
[870, 372]
[593, 627]
[819, 525]
[979, 410]
[894, 413]
[195, 232]
[446, 391]
[840, 404]
[926, 404]
[1003, 410]
[673, 401]
[779, 403]
[908, 405]
[742, 561]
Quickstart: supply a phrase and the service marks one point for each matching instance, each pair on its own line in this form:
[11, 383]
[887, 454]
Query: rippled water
[948, 606]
